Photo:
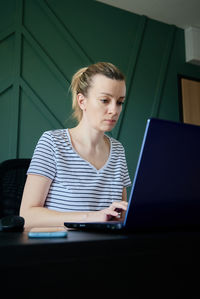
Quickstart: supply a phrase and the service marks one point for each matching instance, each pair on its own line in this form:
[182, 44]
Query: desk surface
[160, 257]
[17, 248]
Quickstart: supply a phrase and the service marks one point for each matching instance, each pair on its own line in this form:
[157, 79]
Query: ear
[81, 101]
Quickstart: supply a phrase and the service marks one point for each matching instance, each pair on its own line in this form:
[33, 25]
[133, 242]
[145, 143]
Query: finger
[112, 213]
[120, 205]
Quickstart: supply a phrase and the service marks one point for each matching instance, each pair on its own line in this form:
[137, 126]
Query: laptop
[165, 193]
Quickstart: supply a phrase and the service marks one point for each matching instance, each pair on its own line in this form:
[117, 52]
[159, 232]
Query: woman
[80, 174]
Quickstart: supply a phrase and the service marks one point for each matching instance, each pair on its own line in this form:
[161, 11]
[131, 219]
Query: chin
[108, 129]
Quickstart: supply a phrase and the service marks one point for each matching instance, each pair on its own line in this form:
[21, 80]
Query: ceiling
[182, 13]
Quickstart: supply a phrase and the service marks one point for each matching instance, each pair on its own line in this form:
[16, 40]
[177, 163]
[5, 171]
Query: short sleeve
[43, 161]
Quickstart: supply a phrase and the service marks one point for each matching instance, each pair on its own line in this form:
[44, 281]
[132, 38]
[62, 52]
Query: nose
[114, 109]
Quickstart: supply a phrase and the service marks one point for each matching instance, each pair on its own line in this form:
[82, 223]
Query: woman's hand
[116, 212]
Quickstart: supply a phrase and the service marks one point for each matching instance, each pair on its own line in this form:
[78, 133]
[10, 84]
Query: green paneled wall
[42, 43]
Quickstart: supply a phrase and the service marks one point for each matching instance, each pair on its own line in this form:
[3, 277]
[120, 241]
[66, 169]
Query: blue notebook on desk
[165, 192]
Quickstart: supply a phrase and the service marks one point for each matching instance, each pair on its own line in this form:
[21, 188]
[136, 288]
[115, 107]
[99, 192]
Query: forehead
[102, 84]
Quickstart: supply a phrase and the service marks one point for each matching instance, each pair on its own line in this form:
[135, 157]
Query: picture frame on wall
[189, 99]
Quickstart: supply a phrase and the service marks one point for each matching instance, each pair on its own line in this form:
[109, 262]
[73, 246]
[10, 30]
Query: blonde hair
[82, 79]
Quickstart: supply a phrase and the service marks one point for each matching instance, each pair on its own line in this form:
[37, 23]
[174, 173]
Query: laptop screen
[166, 187]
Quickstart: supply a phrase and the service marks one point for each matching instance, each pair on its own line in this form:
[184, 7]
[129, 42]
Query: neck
[87, 136]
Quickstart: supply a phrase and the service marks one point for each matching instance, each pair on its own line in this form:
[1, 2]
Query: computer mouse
[12, 223]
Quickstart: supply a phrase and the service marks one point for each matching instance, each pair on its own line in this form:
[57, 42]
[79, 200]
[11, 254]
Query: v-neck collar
[92, 166]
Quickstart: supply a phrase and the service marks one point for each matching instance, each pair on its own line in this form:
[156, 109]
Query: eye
[120, 103]
[104, 101]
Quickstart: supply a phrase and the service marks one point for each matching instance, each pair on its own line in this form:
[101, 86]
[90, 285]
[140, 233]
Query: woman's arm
[32, 206]
[35, 214]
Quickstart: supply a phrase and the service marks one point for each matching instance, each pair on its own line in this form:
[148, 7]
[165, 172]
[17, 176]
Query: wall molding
[137, 44]
[163, 72]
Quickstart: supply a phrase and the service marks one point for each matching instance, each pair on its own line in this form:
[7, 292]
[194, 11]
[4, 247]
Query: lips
[112, 121]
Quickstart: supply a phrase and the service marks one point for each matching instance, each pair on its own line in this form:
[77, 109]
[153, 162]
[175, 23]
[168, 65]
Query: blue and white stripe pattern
[76, 184]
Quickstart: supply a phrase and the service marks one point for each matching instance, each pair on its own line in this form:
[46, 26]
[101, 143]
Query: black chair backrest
[12, 181]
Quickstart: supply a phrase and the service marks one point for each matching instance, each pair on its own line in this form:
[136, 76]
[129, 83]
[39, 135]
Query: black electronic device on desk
[12, 223]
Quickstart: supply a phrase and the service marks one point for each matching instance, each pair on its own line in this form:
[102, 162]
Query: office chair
[12, 180]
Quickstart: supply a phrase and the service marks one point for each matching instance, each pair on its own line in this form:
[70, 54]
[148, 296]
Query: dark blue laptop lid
[166, 187]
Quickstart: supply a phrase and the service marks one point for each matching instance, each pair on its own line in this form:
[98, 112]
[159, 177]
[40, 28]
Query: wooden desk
[161, 265]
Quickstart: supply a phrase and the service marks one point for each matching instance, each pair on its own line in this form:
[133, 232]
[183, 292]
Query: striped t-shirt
[76, 184]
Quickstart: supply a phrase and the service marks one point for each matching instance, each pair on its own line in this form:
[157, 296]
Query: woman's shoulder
[116, 143]
[57, 133]
[56, 136]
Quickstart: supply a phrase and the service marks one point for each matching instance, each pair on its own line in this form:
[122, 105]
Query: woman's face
[103, 104]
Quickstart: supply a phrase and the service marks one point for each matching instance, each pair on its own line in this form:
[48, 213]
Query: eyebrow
[108, 94]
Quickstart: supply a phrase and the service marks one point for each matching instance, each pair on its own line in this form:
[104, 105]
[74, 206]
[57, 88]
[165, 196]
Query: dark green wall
[42, 43]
